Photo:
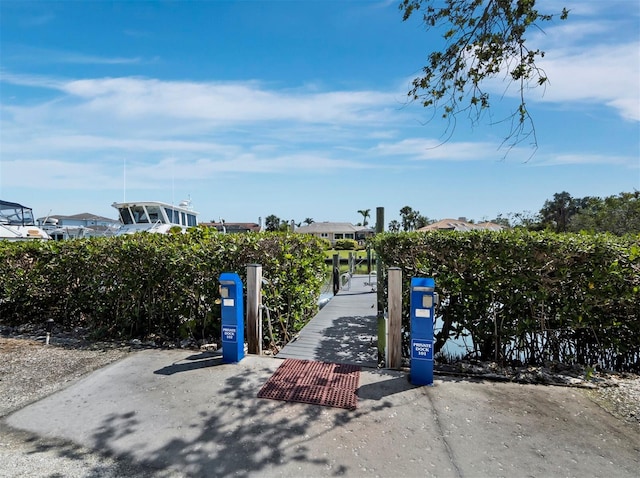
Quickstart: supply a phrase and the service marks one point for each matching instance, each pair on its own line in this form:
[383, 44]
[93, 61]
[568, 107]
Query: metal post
[254, 309]
[394, 321]
[380, 291]
[336, 273]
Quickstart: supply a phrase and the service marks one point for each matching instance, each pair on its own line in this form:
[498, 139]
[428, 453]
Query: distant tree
[483, 39]
[366, 213]
[421, 221]
[412, 220]
[501, 220]
[272, 223]
[406, 216]
[394, 226]
[557, 212]
[618, 214]
[308, 221]
[526, 220]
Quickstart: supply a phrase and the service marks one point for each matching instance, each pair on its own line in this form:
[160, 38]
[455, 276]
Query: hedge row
[528, 297]
[157, 286]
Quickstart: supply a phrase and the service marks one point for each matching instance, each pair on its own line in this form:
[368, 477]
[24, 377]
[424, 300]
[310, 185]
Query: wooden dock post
[394, 320]
[254, 309]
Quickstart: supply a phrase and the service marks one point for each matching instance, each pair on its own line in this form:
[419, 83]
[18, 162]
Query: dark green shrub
[160, 286]
[529, 296]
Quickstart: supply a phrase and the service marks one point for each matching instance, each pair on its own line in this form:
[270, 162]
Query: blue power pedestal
[232, 317]
[423, 300]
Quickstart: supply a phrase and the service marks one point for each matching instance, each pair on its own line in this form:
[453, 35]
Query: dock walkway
[343, 331]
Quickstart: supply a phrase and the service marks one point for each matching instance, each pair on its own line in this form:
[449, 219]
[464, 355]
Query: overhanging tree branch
[483, 38]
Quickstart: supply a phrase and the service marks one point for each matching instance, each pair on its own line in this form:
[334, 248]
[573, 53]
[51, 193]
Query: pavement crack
[440, 429]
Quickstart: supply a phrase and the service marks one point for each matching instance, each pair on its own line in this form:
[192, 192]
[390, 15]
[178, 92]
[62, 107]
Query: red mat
[317, 383]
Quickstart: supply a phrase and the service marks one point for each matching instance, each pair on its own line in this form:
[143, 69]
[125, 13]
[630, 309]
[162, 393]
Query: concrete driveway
[186, 414]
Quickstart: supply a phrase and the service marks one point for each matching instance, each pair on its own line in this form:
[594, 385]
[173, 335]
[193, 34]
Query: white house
[78, 225]
[334, 231]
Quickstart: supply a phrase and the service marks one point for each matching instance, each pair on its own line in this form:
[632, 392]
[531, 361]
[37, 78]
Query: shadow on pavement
[241, 436]
[350, 340]
[202, 360]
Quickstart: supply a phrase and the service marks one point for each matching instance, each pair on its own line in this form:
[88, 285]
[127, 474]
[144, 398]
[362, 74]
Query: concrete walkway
[176, 413]
[173, 413]
[343, 331]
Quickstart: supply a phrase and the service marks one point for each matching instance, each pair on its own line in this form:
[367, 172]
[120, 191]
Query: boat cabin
[17, 223]
[154, 216]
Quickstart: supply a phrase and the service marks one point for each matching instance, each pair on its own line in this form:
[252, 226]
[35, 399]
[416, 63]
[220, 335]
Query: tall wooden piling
[254, 309]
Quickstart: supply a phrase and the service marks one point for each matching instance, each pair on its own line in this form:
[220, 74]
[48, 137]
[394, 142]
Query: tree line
[618, 214]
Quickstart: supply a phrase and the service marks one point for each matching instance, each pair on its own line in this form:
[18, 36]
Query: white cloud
[59, 174]
[588, 159]
[189, 106]
[40, 56]
[220, 101]
[607, 74]
[419, 149]
[602, 74]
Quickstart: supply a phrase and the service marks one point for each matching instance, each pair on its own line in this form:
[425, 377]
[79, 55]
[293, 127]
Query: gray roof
[83, 216]
[328, 227]
[460, 225]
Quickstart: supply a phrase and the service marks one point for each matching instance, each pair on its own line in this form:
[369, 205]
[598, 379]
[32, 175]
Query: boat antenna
[124, 180]
[47, 217]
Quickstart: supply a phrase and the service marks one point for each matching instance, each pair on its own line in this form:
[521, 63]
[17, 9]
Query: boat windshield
[155, 214]
[139, 215]
[125, 215]
[16, 216]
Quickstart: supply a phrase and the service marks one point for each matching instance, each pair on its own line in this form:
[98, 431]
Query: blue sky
[298, 109]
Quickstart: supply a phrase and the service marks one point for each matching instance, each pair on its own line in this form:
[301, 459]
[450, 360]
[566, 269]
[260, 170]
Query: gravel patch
[30, 371]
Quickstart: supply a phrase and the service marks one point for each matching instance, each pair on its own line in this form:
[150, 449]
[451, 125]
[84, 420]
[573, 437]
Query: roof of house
[83, 216]
[327, 227]
[461, 225]
[492, 226]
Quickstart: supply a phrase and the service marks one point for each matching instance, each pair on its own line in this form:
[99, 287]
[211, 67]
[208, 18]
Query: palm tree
[365, 214]
[308, 221]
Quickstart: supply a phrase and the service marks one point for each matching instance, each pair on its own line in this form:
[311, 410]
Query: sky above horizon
[298, 109]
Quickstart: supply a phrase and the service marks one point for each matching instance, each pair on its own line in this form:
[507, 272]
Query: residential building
[461, 224]
[335, 231]
[78, 225]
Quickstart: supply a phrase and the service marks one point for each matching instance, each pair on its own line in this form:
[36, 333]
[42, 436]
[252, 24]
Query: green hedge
[346, 245]
[163, 287]
[528, 297]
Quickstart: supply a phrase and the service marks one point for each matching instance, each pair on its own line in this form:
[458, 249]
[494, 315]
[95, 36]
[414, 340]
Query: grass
[344, 255]
[360, 258]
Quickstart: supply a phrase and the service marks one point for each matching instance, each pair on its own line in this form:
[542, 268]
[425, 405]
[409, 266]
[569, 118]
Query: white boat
[154, 216]
[17, 223]
[63, 233]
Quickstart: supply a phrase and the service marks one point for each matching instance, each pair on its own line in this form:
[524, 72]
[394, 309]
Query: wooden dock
[343, 331]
